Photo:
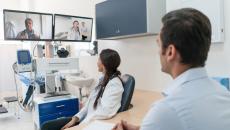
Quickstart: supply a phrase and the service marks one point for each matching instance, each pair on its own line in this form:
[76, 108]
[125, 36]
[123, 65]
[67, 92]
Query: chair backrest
[128, 84]
[55, 124]
[224, 81]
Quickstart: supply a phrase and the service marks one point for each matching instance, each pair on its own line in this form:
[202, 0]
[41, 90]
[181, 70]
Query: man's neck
[179, 69]
[29, 30]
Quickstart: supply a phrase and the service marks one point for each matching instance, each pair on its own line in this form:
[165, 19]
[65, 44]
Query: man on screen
[84, 31]
[29, 32]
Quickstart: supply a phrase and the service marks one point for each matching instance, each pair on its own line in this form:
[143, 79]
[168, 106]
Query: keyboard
[3, 110]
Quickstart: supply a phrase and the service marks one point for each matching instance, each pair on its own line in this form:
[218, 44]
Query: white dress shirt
[193, 102]
[108, 104]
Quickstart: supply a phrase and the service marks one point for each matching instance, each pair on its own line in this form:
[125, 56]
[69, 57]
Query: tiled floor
[10, 122]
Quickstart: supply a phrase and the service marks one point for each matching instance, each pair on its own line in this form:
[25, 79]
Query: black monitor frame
[73, 17]
[18, 39]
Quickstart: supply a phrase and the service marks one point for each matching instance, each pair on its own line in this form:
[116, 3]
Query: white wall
[141, 58]
[219, 56]
[8, 48]
[218, 63]
[139, 55]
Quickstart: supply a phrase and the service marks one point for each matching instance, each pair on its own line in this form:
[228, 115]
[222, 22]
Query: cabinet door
[105, 19]
[46, 118]
[120, 18]
[58, 106]
[131, 17]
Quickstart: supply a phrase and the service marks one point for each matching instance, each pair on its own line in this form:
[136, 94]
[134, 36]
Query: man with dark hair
[193, 101]
[29, 32]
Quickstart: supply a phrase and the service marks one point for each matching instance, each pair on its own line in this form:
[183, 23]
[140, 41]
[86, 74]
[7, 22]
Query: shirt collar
[189, 75]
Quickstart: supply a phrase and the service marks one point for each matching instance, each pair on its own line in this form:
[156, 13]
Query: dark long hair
[111, 60]
[77, 26]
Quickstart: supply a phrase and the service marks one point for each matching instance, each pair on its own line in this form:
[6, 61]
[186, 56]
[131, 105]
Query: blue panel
[58, 109]
[120, 18]
[223, 81]
[43, 119]
[59, 106]
[25, 78]
[23, 57]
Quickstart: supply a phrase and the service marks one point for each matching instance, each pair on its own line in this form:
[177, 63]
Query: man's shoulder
[21, 33]
[161, 114]
[162, 106]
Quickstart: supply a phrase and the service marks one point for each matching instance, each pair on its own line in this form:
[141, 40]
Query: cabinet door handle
[117, 31]
[60, 106]
[60, 117]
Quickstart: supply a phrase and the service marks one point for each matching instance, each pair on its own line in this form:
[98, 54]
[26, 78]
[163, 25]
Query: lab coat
[74, 35]
[108, 104]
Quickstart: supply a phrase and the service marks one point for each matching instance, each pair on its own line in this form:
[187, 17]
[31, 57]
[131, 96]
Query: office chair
[55, 124]
[224, 81]
[129, 84]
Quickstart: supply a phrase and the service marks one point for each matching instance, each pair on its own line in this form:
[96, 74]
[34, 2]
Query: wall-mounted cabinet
[127, 18]
[214, 9]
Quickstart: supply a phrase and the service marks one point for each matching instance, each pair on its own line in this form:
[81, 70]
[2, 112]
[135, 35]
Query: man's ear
[171, 53]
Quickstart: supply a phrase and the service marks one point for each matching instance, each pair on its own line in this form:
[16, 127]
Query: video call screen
[72, 28]
[21, 25]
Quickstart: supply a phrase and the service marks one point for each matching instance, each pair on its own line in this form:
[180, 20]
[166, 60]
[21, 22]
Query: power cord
[35, 48]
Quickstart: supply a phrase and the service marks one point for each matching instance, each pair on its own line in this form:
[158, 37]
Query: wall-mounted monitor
[72, 28]
[23, 25]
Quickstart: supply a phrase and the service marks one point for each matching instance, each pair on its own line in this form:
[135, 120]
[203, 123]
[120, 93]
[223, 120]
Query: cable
[34, 48]
[35, 75]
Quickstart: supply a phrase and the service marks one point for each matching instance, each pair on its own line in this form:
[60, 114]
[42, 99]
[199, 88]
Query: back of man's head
[189, 31]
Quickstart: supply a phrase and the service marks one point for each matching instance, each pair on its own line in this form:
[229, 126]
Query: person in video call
[84, 31]
[193, 101]
[29, 32]
[74, 33]
[10, 31]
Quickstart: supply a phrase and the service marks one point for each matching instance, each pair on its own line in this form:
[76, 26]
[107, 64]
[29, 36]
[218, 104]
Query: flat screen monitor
[23, 57]
[72, 28]
[22, 25]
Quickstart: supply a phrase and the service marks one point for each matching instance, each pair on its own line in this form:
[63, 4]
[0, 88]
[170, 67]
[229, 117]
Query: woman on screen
[74, 33]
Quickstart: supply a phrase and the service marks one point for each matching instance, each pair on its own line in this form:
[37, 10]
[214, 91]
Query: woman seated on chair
[105, 100]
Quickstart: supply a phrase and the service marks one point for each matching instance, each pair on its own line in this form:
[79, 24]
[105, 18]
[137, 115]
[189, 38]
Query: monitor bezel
[74, 17]
[19, 39]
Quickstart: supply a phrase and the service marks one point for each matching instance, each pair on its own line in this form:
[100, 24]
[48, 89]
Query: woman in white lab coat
[105, 100]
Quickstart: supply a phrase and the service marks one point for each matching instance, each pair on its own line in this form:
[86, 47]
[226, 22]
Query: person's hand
[123, 125]
[118, 126]
[71, 123]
